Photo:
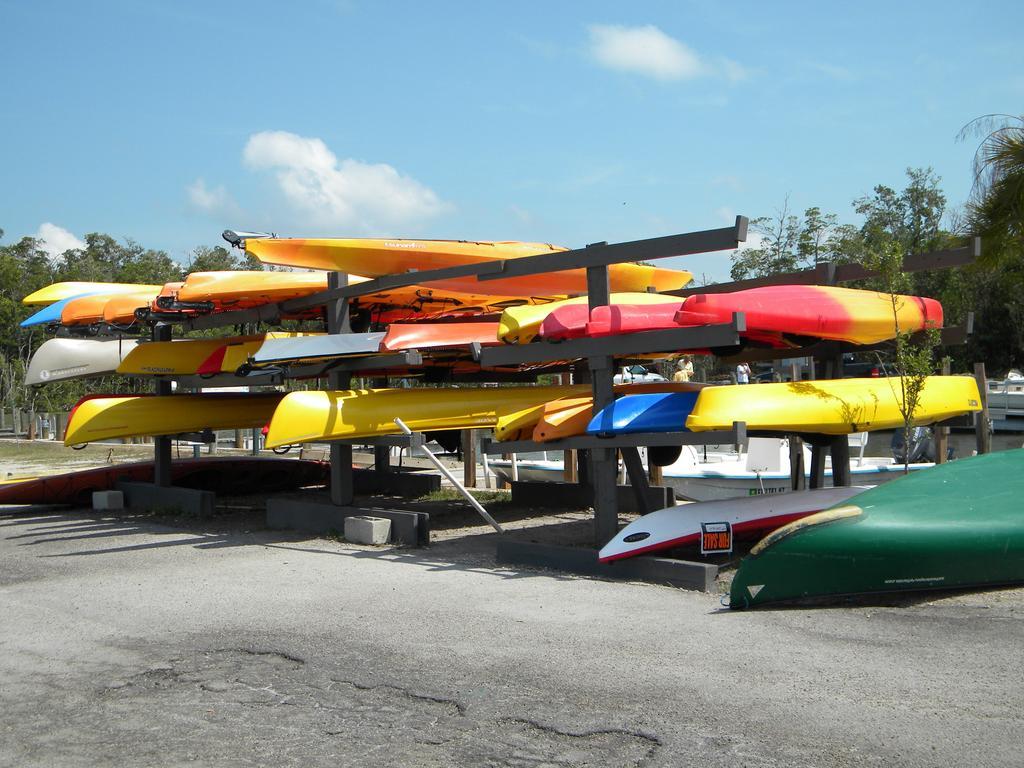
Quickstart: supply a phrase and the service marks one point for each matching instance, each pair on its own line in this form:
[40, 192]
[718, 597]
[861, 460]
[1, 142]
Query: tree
[912, 218]
[788, 243]
[996, 210]
[206, 259]
[912, 354]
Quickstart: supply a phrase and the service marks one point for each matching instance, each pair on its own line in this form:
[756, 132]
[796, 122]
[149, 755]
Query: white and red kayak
[750, 515]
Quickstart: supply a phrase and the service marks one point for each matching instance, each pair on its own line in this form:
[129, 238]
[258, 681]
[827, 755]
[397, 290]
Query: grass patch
[484, 497]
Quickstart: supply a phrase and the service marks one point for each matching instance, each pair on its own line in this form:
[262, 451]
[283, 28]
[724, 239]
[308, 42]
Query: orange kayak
[434, 335]
[120, 310]
[243, 289]
[86, 310]
[377, 257]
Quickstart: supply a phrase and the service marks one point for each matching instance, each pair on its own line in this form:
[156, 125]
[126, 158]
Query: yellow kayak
[307, 416]
[520, 325]
[521, 424]
[174, 358]
[377, 257]
[60, 291]
[187, 357]
[105, 418]
[830, 407]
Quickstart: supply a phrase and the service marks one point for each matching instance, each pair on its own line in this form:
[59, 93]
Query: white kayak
[63, 359]
[681, 525]
[317, 347]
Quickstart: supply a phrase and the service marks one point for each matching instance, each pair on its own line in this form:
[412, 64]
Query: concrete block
[407, 528]
[656, 570]
[186, 501]
[103, 500]
[363, 529]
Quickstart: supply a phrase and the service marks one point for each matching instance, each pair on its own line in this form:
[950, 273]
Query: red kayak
[227, 476]
[773, 312]
[572, 322]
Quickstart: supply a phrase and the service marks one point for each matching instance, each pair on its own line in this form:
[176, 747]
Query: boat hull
[376, 258]
[831, 407]
[222, 475]
[520, 325]
[956, 525]
[681, 525]
[64, 359]
[337, 415]
[106, 417]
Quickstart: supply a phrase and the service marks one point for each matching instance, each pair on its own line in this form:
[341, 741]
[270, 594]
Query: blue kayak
[51, 313]
[660, 412]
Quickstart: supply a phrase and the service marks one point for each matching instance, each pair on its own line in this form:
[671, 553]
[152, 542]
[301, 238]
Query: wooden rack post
[162, 444]
[342, 483]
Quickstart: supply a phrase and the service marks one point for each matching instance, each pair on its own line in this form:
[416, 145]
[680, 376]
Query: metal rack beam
[603, 254]
[641, 342]
[829, 274]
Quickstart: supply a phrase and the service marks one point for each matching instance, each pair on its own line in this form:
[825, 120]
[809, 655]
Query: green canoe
[955, 525]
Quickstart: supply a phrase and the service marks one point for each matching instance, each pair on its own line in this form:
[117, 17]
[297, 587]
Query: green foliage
[218, 259]
[913, 355]
[788, 243]
[996, 211]
[26, 267]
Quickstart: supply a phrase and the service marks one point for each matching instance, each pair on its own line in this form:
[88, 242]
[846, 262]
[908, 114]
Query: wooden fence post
[982, 432]
[468, 458]
[942, 433]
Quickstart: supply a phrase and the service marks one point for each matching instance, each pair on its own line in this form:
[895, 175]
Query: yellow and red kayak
[105, 417]
[818, 311]
[181, 357]
[231, 356]
[378, 257]
[187, 357]
[772, 314]
[831, 407]
[520, 325]
[304, 417]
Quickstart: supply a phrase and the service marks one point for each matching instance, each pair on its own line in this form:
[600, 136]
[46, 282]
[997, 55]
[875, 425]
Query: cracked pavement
[123, 642]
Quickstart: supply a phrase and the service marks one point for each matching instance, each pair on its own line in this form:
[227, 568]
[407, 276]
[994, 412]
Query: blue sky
[558, 122]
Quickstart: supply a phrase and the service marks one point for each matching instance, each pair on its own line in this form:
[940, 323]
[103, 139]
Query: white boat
[1006, 400]
[63, 359]
[762, 470]
[683, 524]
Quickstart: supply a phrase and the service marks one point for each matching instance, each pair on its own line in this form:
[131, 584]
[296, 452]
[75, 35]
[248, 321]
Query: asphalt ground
[127, 642]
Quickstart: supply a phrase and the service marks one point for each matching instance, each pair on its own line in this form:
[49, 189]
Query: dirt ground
[136, 640]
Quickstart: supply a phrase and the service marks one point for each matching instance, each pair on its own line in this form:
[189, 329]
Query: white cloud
[648, 51]
[55, 240]
[215, 201]
[327, 191]
[643, 50]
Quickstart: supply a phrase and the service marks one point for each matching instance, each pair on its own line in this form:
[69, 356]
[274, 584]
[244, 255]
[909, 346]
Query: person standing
[684, 370]
[742, 373]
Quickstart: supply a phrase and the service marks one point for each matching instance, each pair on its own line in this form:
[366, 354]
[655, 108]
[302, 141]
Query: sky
[568, 122]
